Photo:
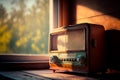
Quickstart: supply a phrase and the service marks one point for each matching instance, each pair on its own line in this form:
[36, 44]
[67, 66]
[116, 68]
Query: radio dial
[81, 59]
[53, 59]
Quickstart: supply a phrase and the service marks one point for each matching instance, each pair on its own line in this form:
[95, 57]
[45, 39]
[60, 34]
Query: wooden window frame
[60, 13]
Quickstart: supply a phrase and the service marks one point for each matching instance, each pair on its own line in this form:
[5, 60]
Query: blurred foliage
[24, 30]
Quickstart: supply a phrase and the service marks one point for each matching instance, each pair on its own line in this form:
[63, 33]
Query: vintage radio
[78, 48]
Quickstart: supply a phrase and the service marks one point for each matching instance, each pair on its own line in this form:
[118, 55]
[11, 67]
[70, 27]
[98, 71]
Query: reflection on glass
[24, 26]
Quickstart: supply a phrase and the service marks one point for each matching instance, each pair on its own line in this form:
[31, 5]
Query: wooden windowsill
[47, 74]
[24, 62]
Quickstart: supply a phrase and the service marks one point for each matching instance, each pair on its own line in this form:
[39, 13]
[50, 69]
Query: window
[24, 29]
[24, 26]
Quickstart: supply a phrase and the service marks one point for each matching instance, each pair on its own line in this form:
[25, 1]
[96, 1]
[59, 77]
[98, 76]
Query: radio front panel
[70, 60]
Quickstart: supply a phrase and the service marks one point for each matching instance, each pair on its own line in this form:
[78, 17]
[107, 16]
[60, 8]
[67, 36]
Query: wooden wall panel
[104, 12]
[107, 21]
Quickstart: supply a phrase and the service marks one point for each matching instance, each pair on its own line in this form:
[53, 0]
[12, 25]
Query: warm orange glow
[89, 15]
[85, 12]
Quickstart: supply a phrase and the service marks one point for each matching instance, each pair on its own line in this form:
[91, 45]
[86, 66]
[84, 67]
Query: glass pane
[24, 26]
[71, 40]
[76, 40]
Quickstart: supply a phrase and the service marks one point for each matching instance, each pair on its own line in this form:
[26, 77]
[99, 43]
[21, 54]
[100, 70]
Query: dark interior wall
[113, 48]
[106, 13]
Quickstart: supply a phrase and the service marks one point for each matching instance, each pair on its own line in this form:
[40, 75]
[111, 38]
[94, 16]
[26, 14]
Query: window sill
[23, 62]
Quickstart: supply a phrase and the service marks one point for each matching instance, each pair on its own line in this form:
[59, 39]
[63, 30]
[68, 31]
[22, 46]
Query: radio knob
[81, 59]
[53, 59]
[73, 59]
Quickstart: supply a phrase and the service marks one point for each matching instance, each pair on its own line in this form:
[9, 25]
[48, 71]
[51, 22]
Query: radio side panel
[97, 48]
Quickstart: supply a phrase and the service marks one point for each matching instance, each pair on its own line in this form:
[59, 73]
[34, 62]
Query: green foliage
[25, 30]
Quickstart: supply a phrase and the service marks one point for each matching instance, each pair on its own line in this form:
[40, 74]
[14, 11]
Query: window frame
[60, 13]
